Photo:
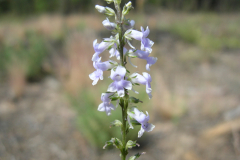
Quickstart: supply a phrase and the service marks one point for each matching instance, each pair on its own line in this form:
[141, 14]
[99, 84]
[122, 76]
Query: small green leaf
[108, 143]
[137, 84]
[117, 143]
[128, 71]
[134, 100]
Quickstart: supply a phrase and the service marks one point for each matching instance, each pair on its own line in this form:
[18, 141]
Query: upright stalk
[123, 30]
[124, 151]
[124, 103]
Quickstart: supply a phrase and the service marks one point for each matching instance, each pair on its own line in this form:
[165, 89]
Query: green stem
[124, 101]
[124, 134]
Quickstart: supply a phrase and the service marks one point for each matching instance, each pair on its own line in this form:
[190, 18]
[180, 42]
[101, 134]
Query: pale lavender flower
[146, 43]
[113, 51]
[106, 106]
[145, 80]
[150, 62]
[107, 24]
[96, 75]
[99, 48]
[143, 55]
[119, 83]
[131, 33]
[100, 67]
[142, 119]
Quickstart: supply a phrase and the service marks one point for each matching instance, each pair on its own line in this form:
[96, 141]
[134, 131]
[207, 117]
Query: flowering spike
[118, 90]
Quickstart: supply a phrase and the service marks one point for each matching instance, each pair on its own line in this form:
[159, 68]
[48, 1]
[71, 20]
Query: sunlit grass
[208, 31]
[30, 53]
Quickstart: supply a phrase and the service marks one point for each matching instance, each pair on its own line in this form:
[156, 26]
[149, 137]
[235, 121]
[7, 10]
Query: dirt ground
[196, 111]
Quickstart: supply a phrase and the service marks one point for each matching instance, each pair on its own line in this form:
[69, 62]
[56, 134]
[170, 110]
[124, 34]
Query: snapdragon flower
[146, 43]
[106, 106]
[119, 83]
[100, 67]
[142, 119]
[99, 48]
[145, 80]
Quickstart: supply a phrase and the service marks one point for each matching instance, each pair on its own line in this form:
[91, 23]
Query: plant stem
[124, 103]
[124, 134]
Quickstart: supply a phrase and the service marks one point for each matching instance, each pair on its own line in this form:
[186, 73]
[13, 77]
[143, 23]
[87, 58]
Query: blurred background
[48, 106]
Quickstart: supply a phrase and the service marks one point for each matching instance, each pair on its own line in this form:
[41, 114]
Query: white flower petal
[129, 60]
[101, 107]
[95, 82]
[135, 91]
[150, 127]
[140, 133]
[129, 122]
[127, 84]
[112, 87]
[120, 92]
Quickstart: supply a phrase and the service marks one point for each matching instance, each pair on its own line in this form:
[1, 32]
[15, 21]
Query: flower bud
[127, 8]
[116, 123]
[100, 9]
[107, 24]
[105, 10]
[129, 4]
[130, 144]
[128, 24]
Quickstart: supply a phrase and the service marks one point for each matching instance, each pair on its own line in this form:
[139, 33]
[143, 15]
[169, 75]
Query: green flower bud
[130, 144]
[127, 8]
[116, 123]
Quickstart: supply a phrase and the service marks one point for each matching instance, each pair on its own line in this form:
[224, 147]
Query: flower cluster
[123, 81]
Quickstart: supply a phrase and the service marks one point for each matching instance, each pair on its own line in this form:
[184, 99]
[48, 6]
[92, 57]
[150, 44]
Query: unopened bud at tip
[129, 4]
[100, 9]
